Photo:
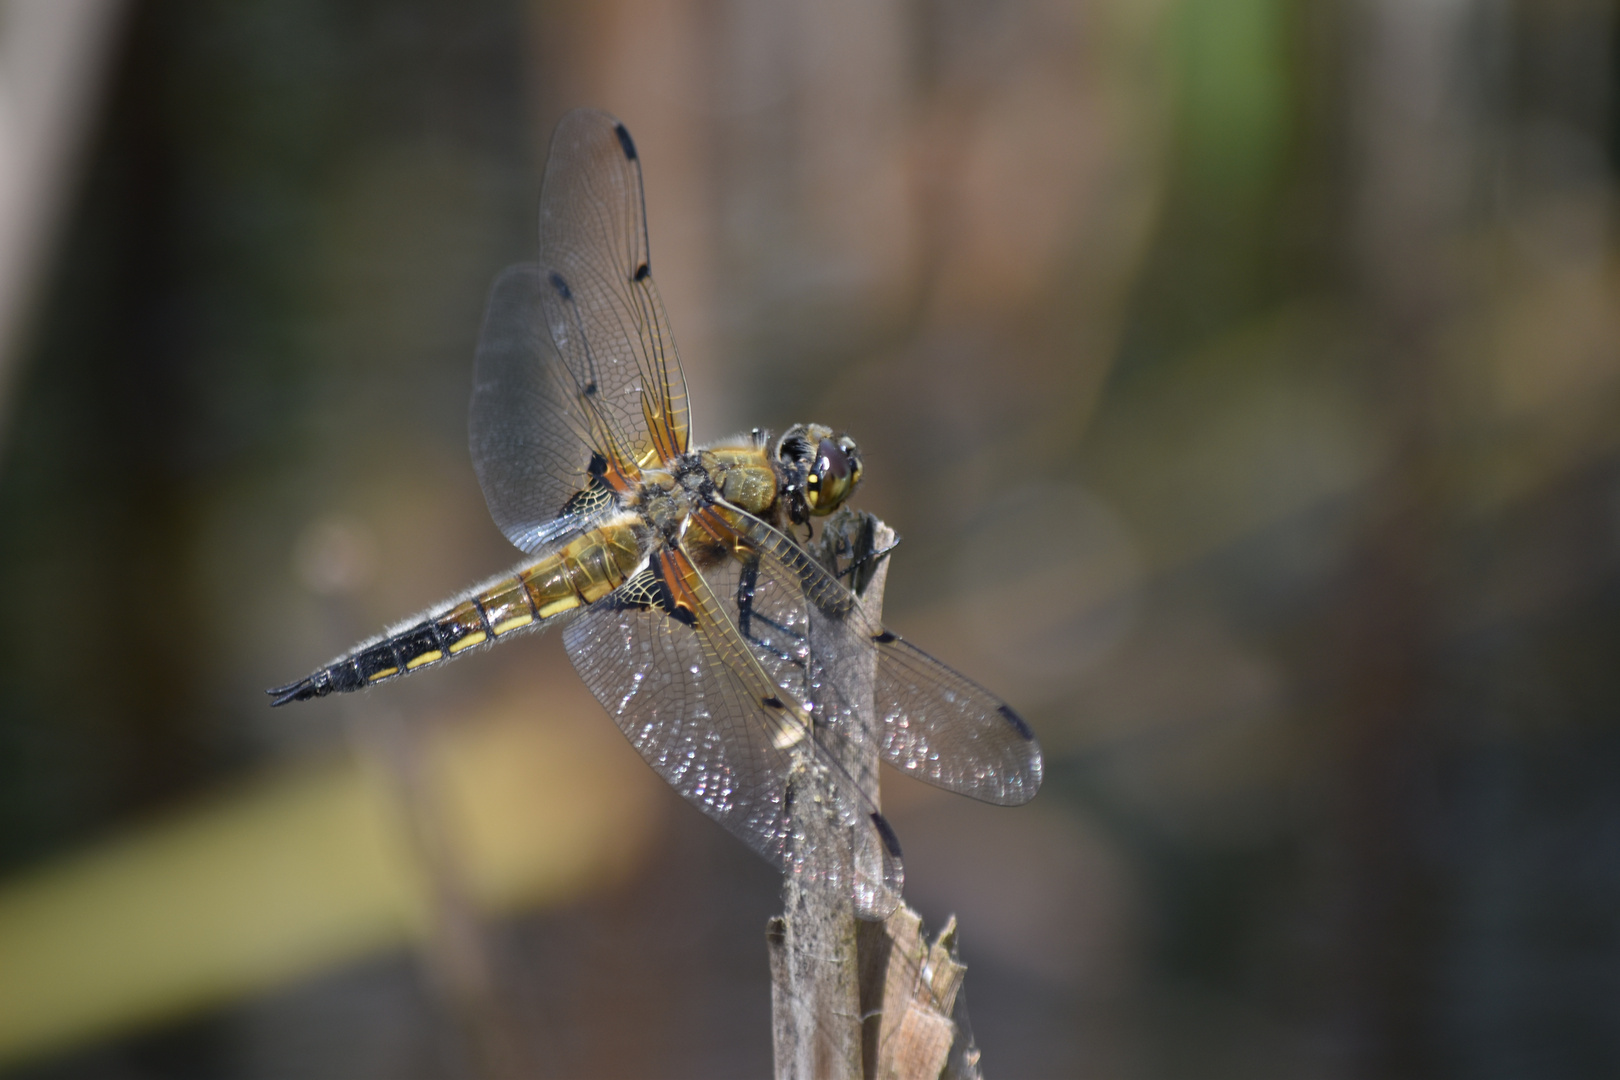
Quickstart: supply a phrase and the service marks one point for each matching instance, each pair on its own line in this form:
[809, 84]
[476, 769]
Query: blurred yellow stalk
[301, 872]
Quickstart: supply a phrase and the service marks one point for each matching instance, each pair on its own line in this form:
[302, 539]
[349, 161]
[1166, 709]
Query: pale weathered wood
[815, 993]
[853, 999]
[911, 998]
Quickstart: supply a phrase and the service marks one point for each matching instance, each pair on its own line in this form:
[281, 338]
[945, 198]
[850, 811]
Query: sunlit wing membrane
[816, 662]
[878, 872]
[936, 724]
[598, 296]
[531, 434]
[940, 726]
[697, 728]
[667, 663]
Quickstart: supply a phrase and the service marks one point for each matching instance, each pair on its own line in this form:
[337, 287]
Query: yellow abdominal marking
[512, 624]
[477, 637]
[557, 607]
[425, 658]
[383, 674]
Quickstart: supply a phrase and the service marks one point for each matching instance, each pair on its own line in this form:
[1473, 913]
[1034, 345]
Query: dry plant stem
[916, 1018]
[852, 999]
[815, 989]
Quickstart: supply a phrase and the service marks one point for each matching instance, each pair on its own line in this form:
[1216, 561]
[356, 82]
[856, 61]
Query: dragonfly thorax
[664, 502]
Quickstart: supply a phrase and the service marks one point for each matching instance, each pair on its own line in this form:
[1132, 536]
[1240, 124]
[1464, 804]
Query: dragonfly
[722, 649]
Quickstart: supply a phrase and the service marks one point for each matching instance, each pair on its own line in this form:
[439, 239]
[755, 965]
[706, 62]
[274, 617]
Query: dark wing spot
[1016, 721]
[561, 286]
[666, 601]
[773, 702]
[590, 388]
[884, 638]
[598, 466]
[890, 841]
[593, 498]
[625, 143]
[642, 272]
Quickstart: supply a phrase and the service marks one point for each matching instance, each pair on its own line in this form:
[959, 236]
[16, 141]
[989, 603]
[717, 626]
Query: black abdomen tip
[303, 690]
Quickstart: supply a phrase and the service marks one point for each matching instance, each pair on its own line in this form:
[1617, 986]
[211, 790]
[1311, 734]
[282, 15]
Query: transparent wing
[807, 656]
[530, 431]
[599, 300]
[942, 727]
[936, 724]
[812, 660]
[578, 384]
[668, 664]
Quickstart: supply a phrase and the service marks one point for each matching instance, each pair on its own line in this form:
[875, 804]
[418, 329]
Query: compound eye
[829, 481]
[847, 445]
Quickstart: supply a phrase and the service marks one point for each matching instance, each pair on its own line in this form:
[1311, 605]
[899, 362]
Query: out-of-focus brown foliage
[1243, 377]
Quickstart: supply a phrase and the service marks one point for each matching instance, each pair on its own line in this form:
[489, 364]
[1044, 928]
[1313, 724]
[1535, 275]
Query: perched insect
[711, 637]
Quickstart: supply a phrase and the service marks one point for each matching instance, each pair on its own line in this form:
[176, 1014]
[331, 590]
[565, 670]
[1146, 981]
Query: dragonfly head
[823, 468]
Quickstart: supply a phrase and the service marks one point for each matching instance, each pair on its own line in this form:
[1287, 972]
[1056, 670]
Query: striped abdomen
[581, 572]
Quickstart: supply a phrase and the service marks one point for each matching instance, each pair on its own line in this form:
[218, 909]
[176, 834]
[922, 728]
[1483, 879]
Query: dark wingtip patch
[773, 701]
[625, 142]
[642, 273]
[560, 285]
[1016, 721]
[885, 637]
[890, 841]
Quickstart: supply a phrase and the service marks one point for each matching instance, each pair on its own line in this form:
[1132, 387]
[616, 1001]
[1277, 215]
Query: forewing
[599, 300]
[529, 428]
[942, 727]
[936, 724]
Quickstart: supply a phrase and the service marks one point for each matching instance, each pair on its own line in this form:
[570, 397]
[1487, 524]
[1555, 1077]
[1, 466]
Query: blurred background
[1243, 377]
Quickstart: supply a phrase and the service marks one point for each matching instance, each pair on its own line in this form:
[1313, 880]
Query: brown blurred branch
[461, 969]
[53, 56]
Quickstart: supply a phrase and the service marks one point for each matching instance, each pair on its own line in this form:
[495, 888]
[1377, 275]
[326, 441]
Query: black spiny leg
[747, 581]
[852, 534]
[747, 617]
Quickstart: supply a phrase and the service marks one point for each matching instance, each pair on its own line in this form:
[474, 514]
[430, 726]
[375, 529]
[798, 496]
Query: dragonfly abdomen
[582, 571]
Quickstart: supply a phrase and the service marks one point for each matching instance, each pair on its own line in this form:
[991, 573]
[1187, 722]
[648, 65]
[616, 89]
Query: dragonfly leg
[747, 617]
